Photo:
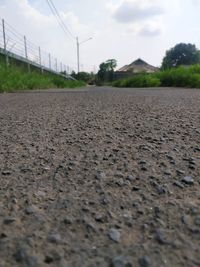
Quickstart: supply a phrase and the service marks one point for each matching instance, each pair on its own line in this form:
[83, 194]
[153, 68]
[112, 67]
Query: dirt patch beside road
[100, 177]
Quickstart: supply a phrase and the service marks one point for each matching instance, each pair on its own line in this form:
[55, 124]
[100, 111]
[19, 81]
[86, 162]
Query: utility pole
[78, 51]
[4, 41]
[78, 55]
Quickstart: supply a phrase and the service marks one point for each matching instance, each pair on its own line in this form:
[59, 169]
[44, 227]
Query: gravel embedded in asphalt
[93, 175]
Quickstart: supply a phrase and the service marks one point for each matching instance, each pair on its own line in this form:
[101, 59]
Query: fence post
[26, 53]
[4, 41]
[49, 60]
[40, 60]
[56, 65]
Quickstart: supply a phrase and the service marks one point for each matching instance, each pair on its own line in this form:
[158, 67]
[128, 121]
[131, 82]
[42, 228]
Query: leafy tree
[106, 70]
[181, 54]
[73, 74]
[111, 64]
[84, 76]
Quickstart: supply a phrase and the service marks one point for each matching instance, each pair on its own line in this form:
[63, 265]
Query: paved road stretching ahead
[100, 177]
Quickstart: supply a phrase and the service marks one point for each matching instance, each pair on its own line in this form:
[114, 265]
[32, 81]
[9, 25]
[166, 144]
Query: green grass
[181, 77]
[139, 81]
[176, 77]
[16, 78]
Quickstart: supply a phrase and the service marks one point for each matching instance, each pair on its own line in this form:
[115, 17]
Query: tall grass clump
[188, 77]
[181, 77]
[139, 81]
[15, 78]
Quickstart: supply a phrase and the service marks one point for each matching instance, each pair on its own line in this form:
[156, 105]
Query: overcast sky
[121, 29]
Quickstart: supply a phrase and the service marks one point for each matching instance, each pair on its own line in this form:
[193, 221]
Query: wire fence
[15, 45]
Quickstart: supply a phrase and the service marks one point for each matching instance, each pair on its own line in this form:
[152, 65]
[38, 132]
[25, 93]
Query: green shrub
[58, 82]
[181, 77]
[15, 78]
[139, 81]
[188, 77]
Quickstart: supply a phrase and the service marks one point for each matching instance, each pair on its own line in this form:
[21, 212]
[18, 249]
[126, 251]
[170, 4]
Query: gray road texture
[100, 177]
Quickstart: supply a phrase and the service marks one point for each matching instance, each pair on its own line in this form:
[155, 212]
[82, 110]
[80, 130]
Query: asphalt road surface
[100, 177]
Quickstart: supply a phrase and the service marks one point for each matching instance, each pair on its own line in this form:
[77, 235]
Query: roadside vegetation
[14, 78]
[88, 78]
[175, 77]
[180, 68]
[139, 80]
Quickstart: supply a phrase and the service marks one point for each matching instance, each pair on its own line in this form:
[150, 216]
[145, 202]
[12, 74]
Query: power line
[53, 12]
[11, 28]
[16, 47]
[17, 34]
[64, 25]
[59, 19]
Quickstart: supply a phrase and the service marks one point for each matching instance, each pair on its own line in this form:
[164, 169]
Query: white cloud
[142, 17]
[43, 29]
[120, 28]
[149, 31]
[131, 11]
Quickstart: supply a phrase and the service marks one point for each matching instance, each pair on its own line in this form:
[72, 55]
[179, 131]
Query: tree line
[181, 54]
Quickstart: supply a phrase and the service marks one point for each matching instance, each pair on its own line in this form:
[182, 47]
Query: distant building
[136, 67]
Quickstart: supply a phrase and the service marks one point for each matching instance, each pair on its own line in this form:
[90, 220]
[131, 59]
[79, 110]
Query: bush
[175, 77]
[181, 77]
[60, 83]
[142, 80]
[13, 78]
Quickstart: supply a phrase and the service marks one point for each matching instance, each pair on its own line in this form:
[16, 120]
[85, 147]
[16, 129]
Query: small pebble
[130, 178]
[51, 257]
[119, 174]
[188, 180]
[120, 261]
[114, 235]
[30, 210]
[101, 218]
[6, 172]
[191, 167]
[68, 220]
[167, 173]
[160, 237]
[144, 261]
[91, 228]
[54, 238]
[9, 220]
[161, 189]
[120, 182]
[197, 221]
[25, 259]
[180, 172]
[136, 188]
[178, 184]
[100, 175]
